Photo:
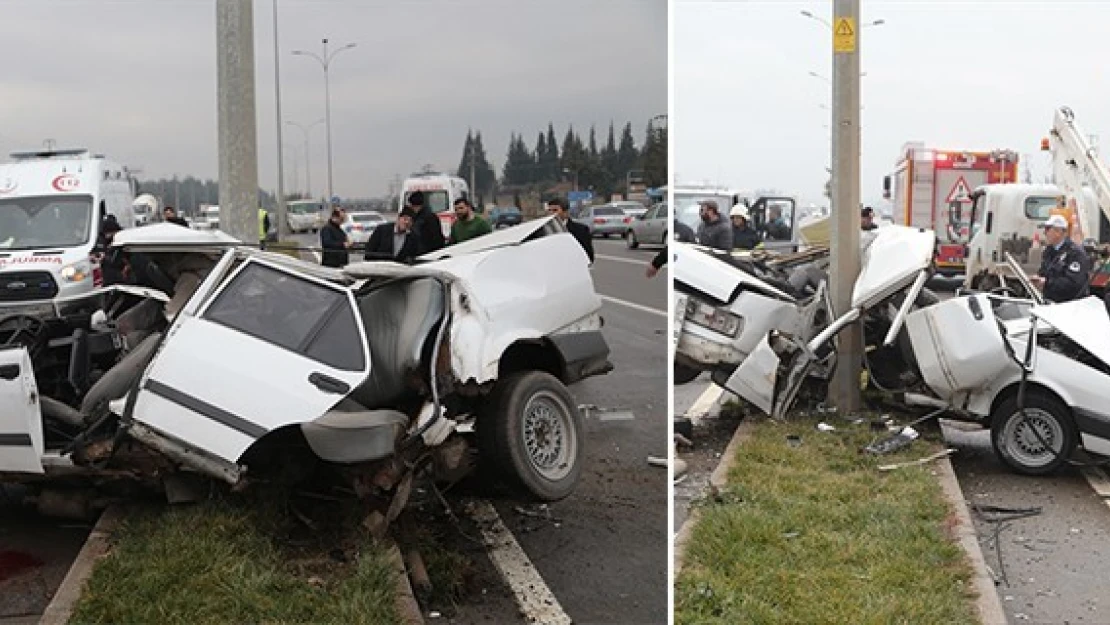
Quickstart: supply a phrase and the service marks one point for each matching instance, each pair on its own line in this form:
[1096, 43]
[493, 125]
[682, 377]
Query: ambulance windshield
[32, 223]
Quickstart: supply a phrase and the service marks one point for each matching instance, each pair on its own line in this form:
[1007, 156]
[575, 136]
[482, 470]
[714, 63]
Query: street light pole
[282, 218]
[307, 160]
[325, 63]
[844, 388]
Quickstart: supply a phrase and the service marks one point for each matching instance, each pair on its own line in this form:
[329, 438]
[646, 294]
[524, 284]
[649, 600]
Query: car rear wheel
[1037, 443]
[630, 238]
[531, 429]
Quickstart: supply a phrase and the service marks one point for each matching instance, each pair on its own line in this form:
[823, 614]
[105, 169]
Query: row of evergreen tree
[603, 169]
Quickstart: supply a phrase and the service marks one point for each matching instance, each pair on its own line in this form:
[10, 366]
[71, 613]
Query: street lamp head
[298, 53]
[808, 14]
[878, 22]
[348, 46]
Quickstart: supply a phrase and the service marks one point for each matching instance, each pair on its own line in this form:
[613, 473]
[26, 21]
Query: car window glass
[279, 308]
[338, 343]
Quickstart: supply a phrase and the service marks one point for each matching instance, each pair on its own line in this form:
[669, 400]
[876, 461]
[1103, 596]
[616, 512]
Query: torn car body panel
[21, 439]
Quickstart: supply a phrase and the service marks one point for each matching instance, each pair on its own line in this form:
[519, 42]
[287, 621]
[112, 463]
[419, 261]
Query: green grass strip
[814, 534]
[215, 563]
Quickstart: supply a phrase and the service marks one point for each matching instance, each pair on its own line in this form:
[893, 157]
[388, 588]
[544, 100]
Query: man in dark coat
[425, 224]
[333, 240]
[394, 241]
[559, 207]
[169, 215]
[112, 262]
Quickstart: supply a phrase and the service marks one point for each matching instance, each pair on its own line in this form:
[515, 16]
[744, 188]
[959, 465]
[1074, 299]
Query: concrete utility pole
[282, 220]
[844, 391]
[238, 134]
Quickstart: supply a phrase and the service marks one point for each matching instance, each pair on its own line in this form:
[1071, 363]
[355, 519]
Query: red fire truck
[932, 189]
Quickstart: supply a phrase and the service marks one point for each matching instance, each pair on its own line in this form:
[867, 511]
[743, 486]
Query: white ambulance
[440, 192]
[51, 207]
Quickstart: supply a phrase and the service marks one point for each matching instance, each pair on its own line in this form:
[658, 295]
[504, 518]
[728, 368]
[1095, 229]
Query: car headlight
[76, 272]
[713, 318]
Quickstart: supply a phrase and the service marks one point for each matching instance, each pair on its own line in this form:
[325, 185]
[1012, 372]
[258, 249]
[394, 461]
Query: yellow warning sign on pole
[844, 35]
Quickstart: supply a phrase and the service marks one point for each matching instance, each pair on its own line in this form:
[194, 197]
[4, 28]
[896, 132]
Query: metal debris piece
[911, 463]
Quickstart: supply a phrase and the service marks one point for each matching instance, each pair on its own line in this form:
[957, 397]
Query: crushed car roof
[164, 235]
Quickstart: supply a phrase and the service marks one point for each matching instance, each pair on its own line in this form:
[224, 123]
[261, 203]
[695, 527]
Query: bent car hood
[714, 277]
[891, 260]
[1084, 321]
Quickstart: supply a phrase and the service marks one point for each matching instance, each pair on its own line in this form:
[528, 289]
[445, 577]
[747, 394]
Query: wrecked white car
[971, 355]
[257, 363]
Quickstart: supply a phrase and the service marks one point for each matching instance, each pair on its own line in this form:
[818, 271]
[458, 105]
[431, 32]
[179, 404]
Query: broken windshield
[30, 223]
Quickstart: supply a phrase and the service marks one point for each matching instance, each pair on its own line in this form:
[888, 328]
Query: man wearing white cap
[1065, 269]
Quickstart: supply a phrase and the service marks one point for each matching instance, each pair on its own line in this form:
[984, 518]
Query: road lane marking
[618, 259]
[647, 309]
[533, 597]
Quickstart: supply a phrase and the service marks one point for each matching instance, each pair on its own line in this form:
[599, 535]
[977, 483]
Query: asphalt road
[35, 554]
[605, 560]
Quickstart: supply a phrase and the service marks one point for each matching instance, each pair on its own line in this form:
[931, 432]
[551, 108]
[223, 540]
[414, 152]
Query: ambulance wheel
[1037, 443]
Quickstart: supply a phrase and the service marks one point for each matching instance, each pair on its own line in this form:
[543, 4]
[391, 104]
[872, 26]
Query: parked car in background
[603, 219]
[359, 225]
[303, 215]
[631, 207]
[209, 219]
[505, 216]
[649, 228]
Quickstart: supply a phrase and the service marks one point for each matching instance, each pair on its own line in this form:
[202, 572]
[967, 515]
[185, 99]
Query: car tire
[684, 374]
[1014, 439]
[533, 404]
[630, 238]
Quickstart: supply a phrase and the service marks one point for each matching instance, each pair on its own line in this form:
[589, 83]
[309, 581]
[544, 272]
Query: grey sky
[956, 75]
[136, 79]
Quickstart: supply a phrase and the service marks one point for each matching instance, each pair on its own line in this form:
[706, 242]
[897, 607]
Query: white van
[51, 207]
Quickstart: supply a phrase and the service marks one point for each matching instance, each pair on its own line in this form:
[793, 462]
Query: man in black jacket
[334, 241]
[394, 241]
[559, 207]
[425, 224]
[169, 215]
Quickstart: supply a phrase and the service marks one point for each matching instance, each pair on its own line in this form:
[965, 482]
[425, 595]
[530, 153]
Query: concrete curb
[96, 546]
[987, 603]
[408, 609]
[718, 480]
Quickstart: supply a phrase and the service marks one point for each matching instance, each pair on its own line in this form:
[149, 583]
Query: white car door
[21, 441]
[270, 348]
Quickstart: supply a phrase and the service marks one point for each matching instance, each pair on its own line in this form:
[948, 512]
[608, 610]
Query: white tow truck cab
[52, 203]
[440, 192]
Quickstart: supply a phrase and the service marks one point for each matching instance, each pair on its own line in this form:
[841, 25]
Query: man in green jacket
[468, 225]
